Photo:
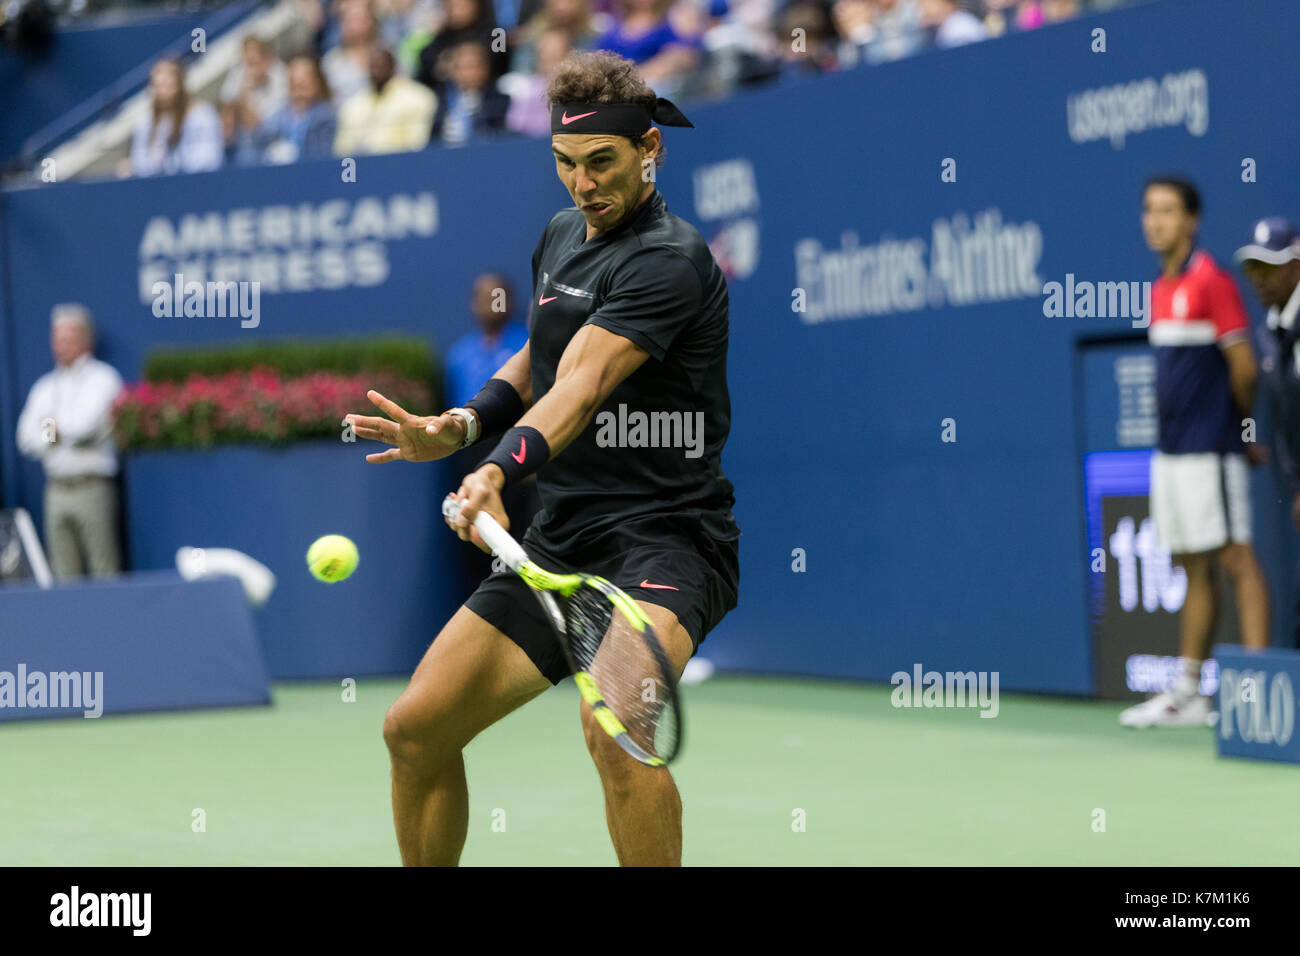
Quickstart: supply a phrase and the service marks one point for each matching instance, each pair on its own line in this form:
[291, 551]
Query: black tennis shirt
[652, 454]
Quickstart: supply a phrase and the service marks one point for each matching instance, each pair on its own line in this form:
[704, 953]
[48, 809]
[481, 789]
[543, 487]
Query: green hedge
[402, 355]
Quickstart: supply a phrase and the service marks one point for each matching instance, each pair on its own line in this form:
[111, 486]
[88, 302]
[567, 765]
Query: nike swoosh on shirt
[519, 457]
[542, 300]
[666, 587]
[566, 119]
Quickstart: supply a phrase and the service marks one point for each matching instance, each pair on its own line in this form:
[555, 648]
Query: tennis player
[1200, 487]
[626, 358]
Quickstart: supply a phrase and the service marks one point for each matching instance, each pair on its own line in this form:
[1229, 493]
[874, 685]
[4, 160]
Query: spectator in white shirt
[180, 134]
[347, 66]
[529, 112]
[66, 425]
[952, 25]
[253, 90]
[895, 31]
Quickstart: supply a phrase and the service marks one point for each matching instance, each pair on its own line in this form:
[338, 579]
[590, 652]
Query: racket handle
[503, 545]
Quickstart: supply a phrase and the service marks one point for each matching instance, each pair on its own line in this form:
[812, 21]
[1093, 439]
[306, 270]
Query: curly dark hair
[602, 77]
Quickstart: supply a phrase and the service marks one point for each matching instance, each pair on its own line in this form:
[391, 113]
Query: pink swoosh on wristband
[522, 451]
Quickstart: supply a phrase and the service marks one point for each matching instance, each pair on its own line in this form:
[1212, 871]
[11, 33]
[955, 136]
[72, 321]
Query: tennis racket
[613, 652]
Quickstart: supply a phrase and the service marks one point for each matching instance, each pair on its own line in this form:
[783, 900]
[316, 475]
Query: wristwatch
[471, 425]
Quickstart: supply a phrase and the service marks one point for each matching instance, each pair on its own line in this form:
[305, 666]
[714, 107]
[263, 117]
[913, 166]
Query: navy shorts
[659, 561]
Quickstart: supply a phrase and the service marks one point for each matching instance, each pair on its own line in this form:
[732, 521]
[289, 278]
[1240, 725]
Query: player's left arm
[656, 294]
[595, 362]
[592, 366]
[1243, 375]
[1233, 331]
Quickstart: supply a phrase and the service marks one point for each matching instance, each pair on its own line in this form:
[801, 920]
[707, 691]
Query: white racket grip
[494, 536]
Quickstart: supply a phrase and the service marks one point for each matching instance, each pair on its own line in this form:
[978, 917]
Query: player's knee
[419, 743]
[397, 737]
[593, 732]
[1237, 559]
[616, 767]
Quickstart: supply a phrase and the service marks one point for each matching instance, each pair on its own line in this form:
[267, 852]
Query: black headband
[624, 119]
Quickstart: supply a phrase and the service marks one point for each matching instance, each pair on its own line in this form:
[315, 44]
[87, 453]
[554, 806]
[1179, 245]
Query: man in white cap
[1271, 262]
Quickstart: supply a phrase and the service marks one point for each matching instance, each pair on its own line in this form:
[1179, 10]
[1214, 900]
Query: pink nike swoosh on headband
[667, 587]
[543, 300]
[522, 445]
[566, 119]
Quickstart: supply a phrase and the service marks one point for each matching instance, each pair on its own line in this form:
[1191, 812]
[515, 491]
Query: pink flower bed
[257, 406]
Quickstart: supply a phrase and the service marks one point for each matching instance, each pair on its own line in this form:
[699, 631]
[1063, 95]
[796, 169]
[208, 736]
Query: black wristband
[498, 405]
[521, 451]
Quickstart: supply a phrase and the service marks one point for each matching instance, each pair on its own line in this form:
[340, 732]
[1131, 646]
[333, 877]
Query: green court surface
[305, 782]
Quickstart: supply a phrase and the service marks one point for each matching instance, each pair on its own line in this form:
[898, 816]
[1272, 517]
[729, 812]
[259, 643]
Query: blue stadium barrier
[923, 308]
[272, 504]
[140, 642]
[1257, 703]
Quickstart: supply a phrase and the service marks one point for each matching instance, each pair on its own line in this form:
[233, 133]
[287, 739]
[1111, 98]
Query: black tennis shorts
[654, 560]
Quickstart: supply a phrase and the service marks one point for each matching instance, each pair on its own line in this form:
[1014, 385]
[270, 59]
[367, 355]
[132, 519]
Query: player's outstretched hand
[416, 437]
[480, 491]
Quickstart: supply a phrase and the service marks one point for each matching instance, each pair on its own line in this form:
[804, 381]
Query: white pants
[81, 526]
[1200, 502]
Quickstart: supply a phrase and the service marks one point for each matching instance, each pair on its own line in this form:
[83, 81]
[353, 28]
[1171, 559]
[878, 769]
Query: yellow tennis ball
[332, 558]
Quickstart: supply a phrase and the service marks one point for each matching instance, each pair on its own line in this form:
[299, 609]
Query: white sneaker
[697, 671]
[1168, 710]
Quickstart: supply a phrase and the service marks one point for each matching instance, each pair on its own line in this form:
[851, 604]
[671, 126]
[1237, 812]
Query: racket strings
[629, 675]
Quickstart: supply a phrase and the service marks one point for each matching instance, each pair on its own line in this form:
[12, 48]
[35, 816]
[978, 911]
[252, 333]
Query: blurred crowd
[360, 77]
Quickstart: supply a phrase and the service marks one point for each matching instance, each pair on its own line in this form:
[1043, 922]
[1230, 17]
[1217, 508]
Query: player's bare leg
[1182, 705]
[642, 806]
[1239, 561]
[470, 677]
[1196, 620]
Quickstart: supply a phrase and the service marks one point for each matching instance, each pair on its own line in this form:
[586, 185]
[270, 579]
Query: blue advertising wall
[923, 313]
